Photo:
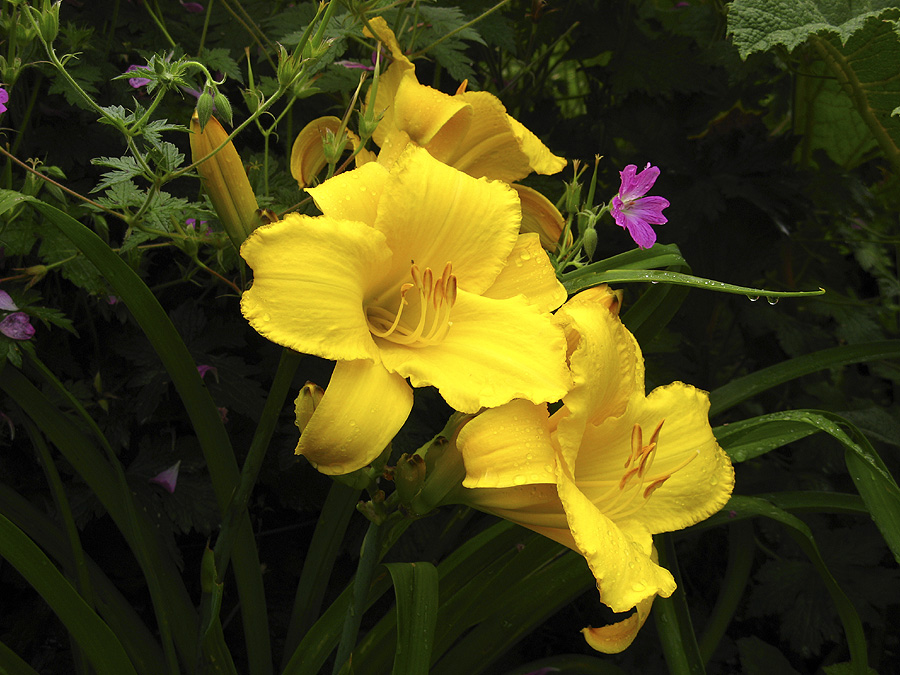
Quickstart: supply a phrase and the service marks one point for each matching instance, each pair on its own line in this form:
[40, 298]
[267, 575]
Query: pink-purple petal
[6, 302]
[636, 186]
[168, 478]
[17, 326]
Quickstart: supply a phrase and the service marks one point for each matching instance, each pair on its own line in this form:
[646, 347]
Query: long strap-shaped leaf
[99, 643]
[211, 434]
[416, 590]
[116, 610]
[876, 485]
[742, 388]
[743, 507]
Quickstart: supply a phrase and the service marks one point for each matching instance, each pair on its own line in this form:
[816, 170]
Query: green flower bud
[49, 22]
[409, 476]
[204, 108]
[590, 241]
[224, 107]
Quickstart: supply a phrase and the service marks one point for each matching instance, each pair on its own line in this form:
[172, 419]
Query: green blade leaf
[99, 643]
[872, 478]
[742, 388]
[142, 646]
[198, 403]
[673, 619]
[658, 276]
[797, 529]
[416, 590]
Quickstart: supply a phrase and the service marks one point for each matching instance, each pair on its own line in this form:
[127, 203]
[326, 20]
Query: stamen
[436, 298]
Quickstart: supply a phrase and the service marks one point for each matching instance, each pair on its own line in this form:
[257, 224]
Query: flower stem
[368, 560]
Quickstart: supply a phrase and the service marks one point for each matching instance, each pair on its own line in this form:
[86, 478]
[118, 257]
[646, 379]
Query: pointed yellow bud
[225, 180]
[306, 403]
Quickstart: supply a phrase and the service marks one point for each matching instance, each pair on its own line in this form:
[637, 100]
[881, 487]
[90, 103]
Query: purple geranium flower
[633, 211]
[17, 326]
[137, 82]
[4, 99]
[168, 478]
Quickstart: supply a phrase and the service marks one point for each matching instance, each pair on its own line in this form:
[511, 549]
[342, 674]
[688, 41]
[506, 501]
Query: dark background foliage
[634, 81]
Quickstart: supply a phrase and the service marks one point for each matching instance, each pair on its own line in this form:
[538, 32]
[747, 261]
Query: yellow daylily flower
[607, 470]
[470, 130]
[418, 273]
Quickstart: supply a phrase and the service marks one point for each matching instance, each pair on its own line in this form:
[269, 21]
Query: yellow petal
[496, 350]
[490, 147]
[433, 214]
[693, 492]
[536, 507]
[310, 278]
[607, 368]
[507, 446]
[528, 272]
[386, 35]
[541, 216]
[362, 410]
[389, 79]
[619, 558]
[225, 180]
[617, 637]
[352, 195]
[308, 154]
[539, 156]
[424, 113]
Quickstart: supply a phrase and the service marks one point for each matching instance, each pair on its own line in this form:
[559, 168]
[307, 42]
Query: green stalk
[237, 509]
[368, 560]
[80, 573]
[159, 24]
[160, 605]
[740, 561]
[673, 619]
[323, 550]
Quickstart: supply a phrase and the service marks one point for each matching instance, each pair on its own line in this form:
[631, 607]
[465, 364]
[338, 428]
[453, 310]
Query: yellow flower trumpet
[469, 130]
[418, 272]
[607, 470]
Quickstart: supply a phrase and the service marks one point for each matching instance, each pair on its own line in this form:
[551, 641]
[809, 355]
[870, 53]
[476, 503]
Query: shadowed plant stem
[368, 560]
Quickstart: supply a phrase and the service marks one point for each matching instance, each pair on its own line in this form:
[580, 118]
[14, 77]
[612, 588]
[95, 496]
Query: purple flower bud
[17, 326]
[192, 7]
[4, 99]
[137, 82]
[168, 478]
[6, 302]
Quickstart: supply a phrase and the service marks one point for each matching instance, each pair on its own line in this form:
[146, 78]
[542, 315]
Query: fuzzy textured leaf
[759, 25]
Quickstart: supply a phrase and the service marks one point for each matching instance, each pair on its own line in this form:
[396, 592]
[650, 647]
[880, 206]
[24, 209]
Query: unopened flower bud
[224, 107]
[590, 241]
[204, 108]
[225, 180]
[573, 197]
[306, 403]
[49, 21]
[409, 476]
